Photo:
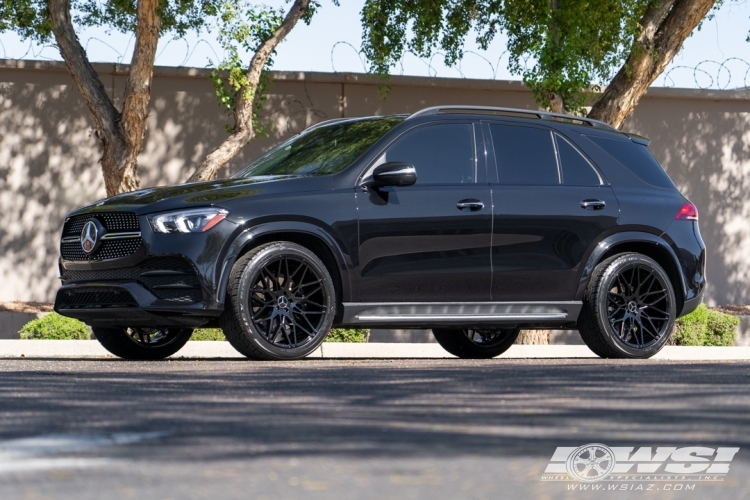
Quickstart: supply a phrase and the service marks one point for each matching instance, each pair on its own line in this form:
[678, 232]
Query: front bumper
[168, 280]
[139, 307]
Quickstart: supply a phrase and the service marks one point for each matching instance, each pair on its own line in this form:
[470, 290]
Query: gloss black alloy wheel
[475, 344]
[280, 302]
[629, 308]
[142, 343]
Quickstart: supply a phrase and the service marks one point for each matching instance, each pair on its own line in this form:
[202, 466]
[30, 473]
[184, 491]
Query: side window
[441, 154]
[576, 170]
[636, 158]
[525, 155]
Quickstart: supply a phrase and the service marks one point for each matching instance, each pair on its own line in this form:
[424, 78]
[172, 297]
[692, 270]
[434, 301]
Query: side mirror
[393, 173]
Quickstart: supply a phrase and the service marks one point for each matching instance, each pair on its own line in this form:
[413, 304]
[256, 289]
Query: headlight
[187, 221]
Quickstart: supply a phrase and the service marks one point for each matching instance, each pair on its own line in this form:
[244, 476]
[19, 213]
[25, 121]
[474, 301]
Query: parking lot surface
[370, 429]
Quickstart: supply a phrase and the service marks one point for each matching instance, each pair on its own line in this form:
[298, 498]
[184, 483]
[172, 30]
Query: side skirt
[464, 314]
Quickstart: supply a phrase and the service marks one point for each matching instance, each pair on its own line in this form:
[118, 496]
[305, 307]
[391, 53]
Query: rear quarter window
[636, 158]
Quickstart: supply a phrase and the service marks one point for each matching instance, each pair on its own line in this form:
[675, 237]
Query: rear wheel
[476, 344]
[280, 302]
[142, 343]
[628, 308]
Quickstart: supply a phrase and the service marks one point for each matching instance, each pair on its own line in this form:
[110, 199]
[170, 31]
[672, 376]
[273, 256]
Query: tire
[476, 344]
[273, 309]
[142, 343]
[628, 308]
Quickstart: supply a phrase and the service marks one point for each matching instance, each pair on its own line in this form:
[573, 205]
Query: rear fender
[610, 244]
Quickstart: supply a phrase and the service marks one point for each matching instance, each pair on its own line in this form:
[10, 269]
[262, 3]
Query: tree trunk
[556, 104]
[243, 130]
[120, 133]
[664, 28]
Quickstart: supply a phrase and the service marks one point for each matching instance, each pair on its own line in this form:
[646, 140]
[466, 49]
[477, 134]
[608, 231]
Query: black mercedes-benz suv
[473, 222]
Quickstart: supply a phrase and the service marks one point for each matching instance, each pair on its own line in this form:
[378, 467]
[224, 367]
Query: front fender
[248, 236]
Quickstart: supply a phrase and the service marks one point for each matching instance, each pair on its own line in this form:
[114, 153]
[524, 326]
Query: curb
[77, 349]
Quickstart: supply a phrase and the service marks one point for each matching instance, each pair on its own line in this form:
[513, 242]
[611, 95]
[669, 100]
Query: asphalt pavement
[370, 429]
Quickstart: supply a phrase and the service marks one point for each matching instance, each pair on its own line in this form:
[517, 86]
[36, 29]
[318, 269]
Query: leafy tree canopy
[559, 47]
[31, 19]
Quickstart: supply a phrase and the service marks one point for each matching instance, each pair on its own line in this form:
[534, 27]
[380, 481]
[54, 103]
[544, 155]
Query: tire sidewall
[457, 343]
[247, 279]
[117, 342]
[618, 265]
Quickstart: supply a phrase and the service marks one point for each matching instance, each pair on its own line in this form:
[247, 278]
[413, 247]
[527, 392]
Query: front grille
[96, 298]
[109, 249]
[168, 278]
[113, 222]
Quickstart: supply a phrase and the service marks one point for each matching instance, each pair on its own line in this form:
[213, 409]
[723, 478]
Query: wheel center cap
[632, 307]
[283, 302]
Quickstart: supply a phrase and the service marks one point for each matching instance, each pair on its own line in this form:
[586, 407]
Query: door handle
[593, 204]
[471, 204]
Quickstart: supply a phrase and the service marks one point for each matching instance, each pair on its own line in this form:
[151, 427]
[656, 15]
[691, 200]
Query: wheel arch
[646, 244]
[312, 237]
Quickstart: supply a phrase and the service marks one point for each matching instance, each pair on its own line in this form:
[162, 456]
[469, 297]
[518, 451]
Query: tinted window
[637, 158]
[321, 151]
[524, 155]
[442, 154]
[576, 171]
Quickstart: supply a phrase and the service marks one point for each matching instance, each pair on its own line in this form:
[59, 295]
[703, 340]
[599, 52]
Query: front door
[550, 206]
[429, 242]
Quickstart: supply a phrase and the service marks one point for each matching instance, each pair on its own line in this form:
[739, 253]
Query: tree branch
[243, 109]
[664, 29]
[137, 94]
[87, 80]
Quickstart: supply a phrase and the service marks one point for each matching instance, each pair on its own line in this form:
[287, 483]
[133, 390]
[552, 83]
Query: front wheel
[628, 308]
[476, 344]
[142, 343]
[280, 302]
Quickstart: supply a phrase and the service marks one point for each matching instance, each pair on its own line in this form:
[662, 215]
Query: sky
[717, 56]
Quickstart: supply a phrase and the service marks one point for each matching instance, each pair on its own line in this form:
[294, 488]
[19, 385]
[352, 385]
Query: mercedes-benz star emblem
[283, 302]
[89, 236]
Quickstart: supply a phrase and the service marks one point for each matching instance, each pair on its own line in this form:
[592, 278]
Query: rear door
[551, 205]
[429, 242]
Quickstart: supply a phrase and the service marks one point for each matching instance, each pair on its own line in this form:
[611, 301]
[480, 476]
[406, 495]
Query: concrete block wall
[49, 154]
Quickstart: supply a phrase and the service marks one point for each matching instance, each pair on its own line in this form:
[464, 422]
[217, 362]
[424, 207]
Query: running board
[427, 314]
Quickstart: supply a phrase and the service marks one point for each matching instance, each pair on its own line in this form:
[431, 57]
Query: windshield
[322, 151]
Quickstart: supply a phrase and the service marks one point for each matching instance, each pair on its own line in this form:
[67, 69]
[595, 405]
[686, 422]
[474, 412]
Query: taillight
[687, 212]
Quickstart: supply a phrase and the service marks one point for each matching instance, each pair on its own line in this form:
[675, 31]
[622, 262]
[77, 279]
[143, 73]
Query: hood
[201, 193]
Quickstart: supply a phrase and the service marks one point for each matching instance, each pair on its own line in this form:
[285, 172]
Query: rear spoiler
[639, 139]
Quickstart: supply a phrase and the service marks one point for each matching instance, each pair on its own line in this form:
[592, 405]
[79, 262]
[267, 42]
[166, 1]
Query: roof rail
[542, 115]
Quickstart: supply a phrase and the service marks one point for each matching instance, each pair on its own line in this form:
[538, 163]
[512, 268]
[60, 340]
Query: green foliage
[30, 18]
[208, 334]
[347, 335]
[335, 335]
[54, 327]
[705, 327]
[242, 27]
[560, 46]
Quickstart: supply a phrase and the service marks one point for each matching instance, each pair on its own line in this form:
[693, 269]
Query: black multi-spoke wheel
[142, 343]
[629, 308]
[476, 344]
[280, 302]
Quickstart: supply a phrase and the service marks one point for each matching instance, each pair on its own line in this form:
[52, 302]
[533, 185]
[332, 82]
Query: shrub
[54, 327]
[705, 327]
[347, 335]
[336, 335]
[208, 334]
